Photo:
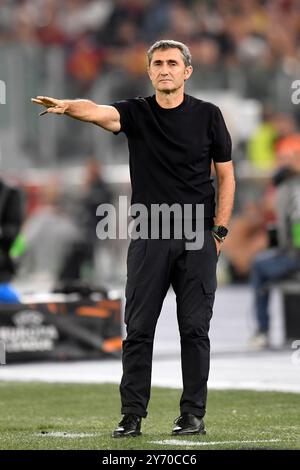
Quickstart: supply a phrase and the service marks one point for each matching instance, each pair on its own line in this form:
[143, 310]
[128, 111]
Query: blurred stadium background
[246, 56]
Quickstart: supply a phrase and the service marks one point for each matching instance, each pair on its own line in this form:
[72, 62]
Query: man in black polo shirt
[172, 139]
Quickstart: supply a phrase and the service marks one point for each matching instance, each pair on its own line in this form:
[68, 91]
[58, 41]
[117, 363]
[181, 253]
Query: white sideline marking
[67, 435]
[177, 442]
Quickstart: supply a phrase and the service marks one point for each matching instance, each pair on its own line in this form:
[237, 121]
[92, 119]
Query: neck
[170, 99]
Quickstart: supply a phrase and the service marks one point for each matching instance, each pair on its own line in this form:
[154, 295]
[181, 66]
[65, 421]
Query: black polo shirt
[171, 150]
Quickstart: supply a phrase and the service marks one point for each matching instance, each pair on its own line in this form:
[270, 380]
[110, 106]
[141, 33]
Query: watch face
[221, 231]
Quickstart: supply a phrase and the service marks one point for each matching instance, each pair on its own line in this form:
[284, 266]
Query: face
[167, 70]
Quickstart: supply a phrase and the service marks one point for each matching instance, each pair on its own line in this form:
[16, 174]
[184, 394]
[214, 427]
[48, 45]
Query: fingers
[45, 100]
[48, 99]
[218, 246]
[53, 105]
[35, 100]
[54, 110]
[51, 110]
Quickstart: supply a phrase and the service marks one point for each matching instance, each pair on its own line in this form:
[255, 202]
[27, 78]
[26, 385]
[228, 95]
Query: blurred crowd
[250, 47]
[257, 39]
[260, 36]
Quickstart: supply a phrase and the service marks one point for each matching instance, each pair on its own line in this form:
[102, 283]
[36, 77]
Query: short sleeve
[221, 141]
[125, 108]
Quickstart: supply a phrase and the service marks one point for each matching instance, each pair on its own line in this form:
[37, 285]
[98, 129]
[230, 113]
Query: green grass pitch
[67, 416]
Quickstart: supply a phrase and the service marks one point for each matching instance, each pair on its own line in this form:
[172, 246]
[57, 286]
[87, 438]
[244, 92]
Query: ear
[188, 72]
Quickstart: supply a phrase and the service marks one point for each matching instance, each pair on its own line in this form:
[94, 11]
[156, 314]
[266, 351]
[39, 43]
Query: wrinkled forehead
[171, 53]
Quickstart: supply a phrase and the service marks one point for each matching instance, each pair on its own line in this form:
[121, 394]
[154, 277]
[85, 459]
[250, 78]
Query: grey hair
[167, 44]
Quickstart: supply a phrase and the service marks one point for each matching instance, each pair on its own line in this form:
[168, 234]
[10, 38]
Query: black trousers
[153, 265]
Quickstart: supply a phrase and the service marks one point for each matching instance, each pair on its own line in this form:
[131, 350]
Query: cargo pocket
[209, 288]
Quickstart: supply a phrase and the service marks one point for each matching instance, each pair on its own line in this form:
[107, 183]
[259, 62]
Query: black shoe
[130, 426]
[188, 424]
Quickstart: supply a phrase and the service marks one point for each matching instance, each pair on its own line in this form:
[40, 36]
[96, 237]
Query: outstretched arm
[104, 116]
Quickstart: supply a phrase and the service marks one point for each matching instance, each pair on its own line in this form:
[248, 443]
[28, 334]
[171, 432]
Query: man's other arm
[104, 116]
[226, 190]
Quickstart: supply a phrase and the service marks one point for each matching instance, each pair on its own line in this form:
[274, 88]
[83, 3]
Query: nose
[164, 70]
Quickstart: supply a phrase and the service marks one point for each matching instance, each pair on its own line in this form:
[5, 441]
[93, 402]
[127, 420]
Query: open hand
[53, 105]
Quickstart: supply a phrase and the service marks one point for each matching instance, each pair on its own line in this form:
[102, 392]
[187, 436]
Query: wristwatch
[219, 232]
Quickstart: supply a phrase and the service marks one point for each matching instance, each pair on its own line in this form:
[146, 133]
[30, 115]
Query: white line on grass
[67, 435]
[178, 442]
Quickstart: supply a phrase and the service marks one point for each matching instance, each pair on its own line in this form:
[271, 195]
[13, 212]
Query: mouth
[165, 80]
